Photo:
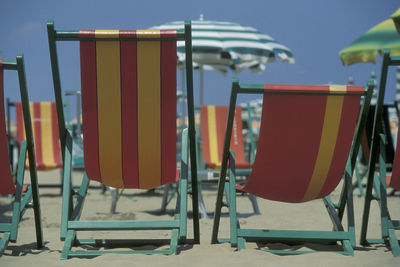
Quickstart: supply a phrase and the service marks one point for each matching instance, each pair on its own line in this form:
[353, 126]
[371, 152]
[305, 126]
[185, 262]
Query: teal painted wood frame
[240, 236]
[29, 199]
[388, 236]
[73, 200]
[72, 207]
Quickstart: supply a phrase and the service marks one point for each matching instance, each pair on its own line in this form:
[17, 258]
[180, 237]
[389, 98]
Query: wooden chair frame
[239, 236]
[71, 212]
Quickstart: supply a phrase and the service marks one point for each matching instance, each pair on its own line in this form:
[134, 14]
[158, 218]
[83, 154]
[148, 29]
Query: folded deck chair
[128, 85]
[45, 133]
[378, 181]
[305, 140]
[213, 123]
[23, 197]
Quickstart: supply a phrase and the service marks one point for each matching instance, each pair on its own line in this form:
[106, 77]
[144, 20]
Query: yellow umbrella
[366, 47]
[396, 19]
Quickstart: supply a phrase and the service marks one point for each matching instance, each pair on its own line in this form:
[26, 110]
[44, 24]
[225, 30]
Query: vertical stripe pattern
[130, 108]
[316, 144]
[333, 113]
[45, 133]
[109, 108]
[6, 182]
[213, 123]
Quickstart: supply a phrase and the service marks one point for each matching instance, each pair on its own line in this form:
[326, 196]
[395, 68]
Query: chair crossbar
[293, 235]
[123, 225]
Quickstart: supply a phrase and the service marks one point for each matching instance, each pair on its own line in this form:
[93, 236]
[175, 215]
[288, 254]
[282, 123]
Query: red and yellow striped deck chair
[128, 86]
[22, 196]
[213, 123]
[305, 140]
[45, 133]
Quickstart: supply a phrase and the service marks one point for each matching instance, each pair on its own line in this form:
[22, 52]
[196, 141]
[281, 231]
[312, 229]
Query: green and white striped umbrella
[222, 45]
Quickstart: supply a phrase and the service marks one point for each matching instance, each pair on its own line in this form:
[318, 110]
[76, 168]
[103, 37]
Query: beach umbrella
[396, 20]
[220, 46]
[374, 41]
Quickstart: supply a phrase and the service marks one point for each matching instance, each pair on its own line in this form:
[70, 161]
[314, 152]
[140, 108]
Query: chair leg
[4, 242]
[202, 206]
[67, 244]
[254, 203]
[394, 243]
[114, 199]
[164, 202]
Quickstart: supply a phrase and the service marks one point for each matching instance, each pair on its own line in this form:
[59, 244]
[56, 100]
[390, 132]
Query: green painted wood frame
[29, 199]
[377, 150]
[70, 212]
[239, 236]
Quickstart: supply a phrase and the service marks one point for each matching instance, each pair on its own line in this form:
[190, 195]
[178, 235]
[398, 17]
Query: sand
[135, 204]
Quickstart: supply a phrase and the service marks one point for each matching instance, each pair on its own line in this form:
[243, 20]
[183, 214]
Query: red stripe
[168, 109]
[291, 88]
[129, 111]
[395, 179]
[169, 33]
[55, 137]
[6, 182]
[20, 122]
[38, 136]
[89, 105]
[350, 111]
[286, 139]
[205, 138]
[221, 115]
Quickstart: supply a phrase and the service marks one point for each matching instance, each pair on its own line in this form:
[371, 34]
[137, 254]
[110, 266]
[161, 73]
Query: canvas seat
[22, 196]
[128, 80]
[307, 137]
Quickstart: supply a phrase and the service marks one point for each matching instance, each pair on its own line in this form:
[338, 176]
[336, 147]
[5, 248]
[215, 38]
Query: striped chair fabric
[305, 141]
[7, 185]
[213, 123]
[45, 133]
[129, 108]
[394, 180]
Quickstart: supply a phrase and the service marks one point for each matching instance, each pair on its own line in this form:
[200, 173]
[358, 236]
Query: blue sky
[315, 31]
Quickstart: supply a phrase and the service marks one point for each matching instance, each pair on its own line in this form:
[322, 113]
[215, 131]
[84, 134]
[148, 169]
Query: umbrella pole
[201, 85]
[183, 99]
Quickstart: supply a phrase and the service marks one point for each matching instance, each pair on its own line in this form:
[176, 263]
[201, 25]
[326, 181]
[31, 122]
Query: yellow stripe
[149, 102]
[337, 89]
[109, 108]
[212, 134]
[33, 129]
[327, 145]
[47, 135]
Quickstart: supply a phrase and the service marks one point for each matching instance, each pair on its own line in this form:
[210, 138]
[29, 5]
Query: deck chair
[45, 133]
[128, 85]
[301, 156]
[213, 122]
[378, 181]
[23, 196]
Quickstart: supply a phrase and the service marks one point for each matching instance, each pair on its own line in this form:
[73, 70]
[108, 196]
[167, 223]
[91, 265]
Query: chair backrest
[129, 108]
[45, 133]
[305, 140]
[213, 126]
[6, 182]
